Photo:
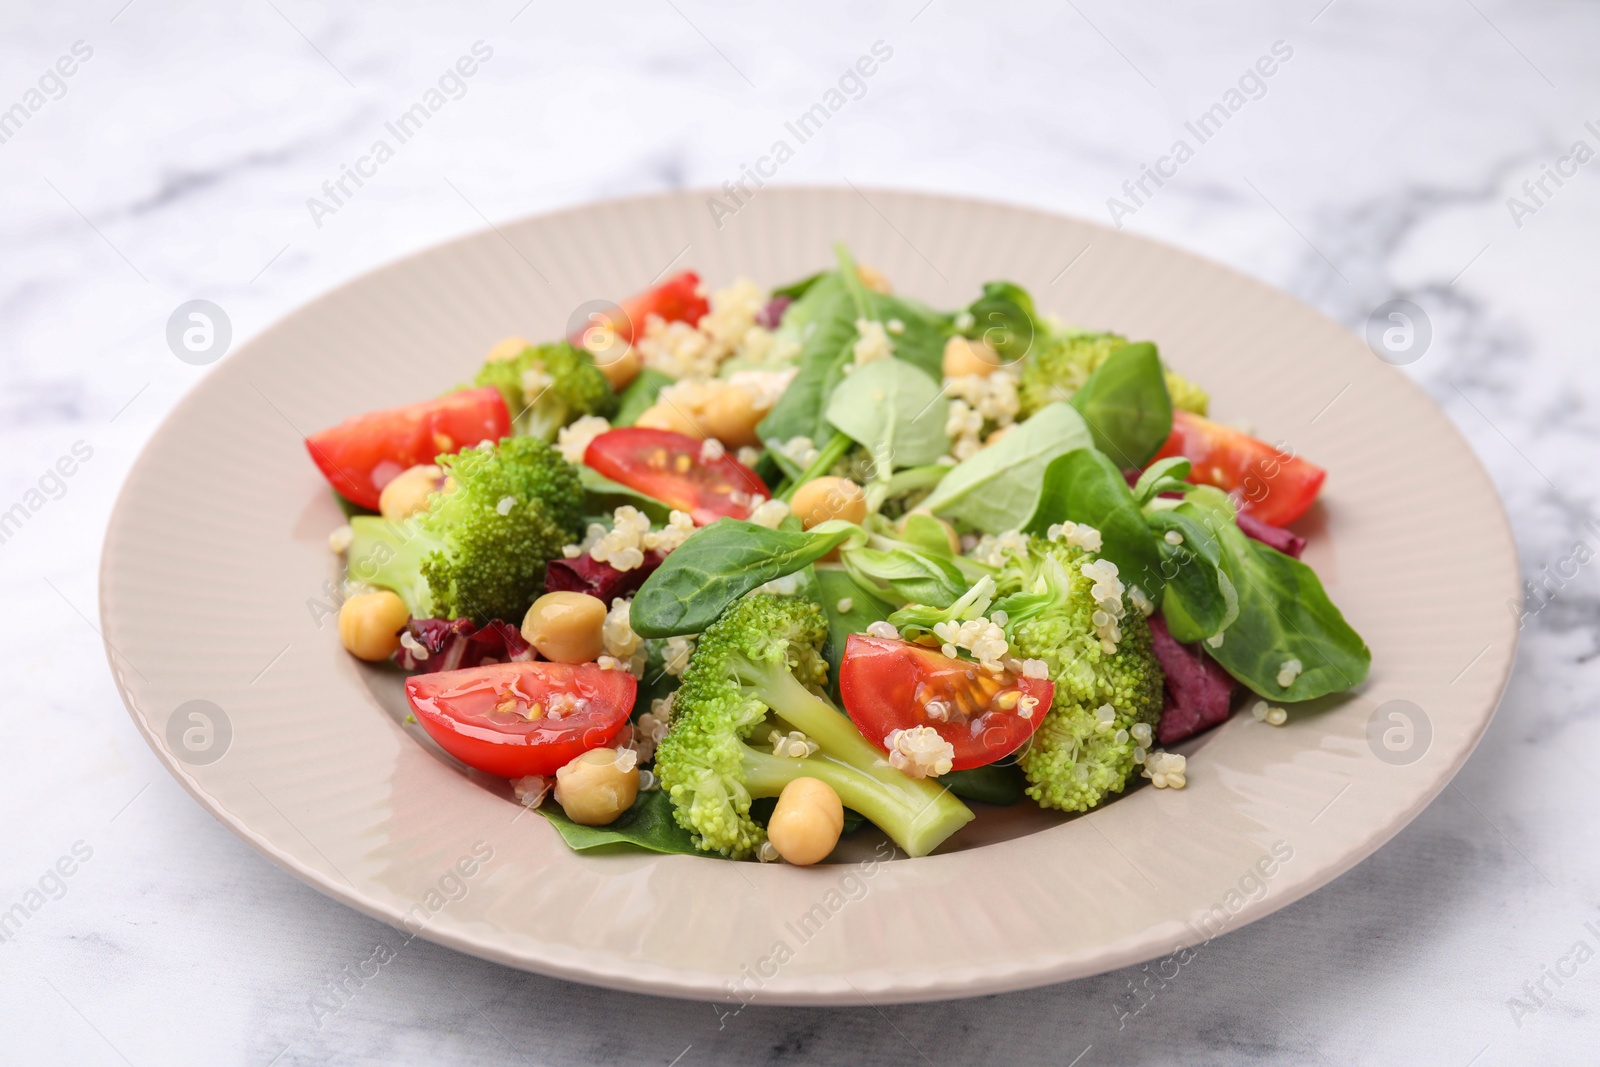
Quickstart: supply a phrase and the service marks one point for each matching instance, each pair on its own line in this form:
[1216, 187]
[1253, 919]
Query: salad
[737, 573]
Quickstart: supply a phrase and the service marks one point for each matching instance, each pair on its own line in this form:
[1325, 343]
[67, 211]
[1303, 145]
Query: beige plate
[215, 562]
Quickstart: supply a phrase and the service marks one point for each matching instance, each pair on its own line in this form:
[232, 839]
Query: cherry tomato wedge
[516, 719]
[1268, 483]
[363, 454]
[888, 684]
[669, 467]
[677, 299]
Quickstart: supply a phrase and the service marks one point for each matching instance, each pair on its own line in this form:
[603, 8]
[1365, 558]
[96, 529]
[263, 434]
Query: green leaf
[996, 783]
[998, 489]
[1284, 613]
[604, 496]
[926, 534]
[896, 411]
[721, 563]
[835, 587]
[1126, 405]
[639, 395]
[1085, 487]
[1004, 317]
[796, 290]
[823, 322]
[1199, 599]
[648, 825]
[903, 576]
[1162, 476]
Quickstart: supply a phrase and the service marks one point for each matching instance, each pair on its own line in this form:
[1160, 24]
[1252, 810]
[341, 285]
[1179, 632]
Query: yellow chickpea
[963, 357]
[806, 824]
[667, 417]
[370, 624]
[565, 627]
[508, 349]
[730, 416]
[822, 499]
[408, 493]
[873, 279]
[594, 788]
[620, 368]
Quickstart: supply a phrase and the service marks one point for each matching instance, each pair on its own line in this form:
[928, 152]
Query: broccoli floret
[1080, 753]
[1062, 362]
[759, 667]
[548, 386]
[481, 547]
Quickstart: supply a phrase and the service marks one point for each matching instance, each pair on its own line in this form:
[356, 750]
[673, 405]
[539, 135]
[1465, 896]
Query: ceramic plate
[216, 572]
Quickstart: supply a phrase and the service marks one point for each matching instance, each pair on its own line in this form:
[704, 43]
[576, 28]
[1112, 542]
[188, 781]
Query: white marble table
[177, 160]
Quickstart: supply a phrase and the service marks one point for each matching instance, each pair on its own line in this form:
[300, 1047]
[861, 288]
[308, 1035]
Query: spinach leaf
[994, 783]
[1085, 487]
[902, 576]
[835, 587]
[1284, 614]
[823, 321]
[1162, 476]
[1199, 599]
[721, 563]
[639, 395]
[926, 534]
[998, 489]
[1126, 405]
[796, 290]
[1004, 317]
[896, 411]
[604, 496]
[648, 825]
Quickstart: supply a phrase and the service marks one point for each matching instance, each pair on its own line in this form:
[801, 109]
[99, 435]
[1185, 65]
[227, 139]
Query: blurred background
[1436, 152]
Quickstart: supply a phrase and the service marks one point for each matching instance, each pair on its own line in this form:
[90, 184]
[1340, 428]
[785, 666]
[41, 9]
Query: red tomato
[676, 300]
[1274, 486]
[363, 454]
[481, 715]
[888, 685]
[667, 467]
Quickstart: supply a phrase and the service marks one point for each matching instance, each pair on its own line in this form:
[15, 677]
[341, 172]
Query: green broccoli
[481, 547]
[1081, 752]
[762, 658]
[1063, 361]
[548, 386]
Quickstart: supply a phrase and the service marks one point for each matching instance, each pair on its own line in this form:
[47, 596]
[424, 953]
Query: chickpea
[873, 279]
[807, 821]
[620, 368]
[822, 499]
[370, 624]
[949, 531]
[565, 627]
[663, 416]
[730, 416]
[508, 349]
[408, 493]
[963, 357]
[594, 789]
[1001, 432]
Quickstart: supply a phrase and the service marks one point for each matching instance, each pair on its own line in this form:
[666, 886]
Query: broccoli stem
[917, 814]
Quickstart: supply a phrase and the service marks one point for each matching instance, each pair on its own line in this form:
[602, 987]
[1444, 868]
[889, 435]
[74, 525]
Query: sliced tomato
[363, 454]
[516, 719]
[677, 299]
[888, 684]
[1273, 485]
[669, 467]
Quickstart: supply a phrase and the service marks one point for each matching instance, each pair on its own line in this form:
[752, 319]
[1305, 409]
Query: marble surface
[1377, 162]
